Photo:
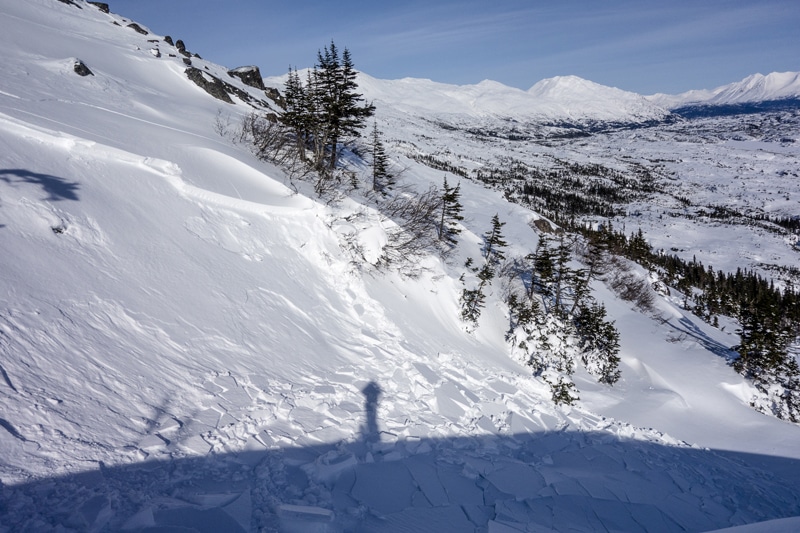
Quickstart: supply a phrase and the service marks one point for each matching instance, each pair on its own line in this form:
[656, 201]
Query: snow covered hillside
[189, 343]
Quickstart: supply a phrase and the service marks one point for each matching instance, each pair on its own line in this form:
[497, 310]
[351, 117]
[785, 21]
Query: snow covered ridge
[185, 343]
[752, 89]
[566, 98]
[566, 102]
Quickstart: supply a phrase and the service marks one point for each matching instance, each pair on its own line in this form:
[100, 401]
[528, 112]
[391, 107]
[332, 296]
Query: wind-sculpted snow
[191, 340]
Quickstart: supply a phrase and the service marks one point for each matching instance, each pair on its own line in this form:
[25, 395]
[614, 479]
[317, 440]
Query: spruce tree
[599, 343]
[764, 342]
[342, 108]
[562, 272]
[472, 300]
[294, 115]
[382, 179]
[544, 267]
[494, 242]
[447, 228]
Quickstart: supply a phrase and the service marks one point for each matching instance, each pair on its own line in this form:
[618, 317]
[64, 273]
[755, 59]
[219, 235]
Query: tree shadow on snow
[588, 481]
[57, 188]
[688, 327]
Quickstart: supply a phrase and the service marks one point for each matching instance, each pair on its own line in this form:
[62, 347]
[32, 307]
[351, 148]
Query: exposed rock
[544, 226]
[276, 96]
[250, 75]
[102, 6]
[187, 61]
[220, 89]
[213, 86]
[138, 28]
[81, 69]
[168, 40]
[182, 48]
[70, 3]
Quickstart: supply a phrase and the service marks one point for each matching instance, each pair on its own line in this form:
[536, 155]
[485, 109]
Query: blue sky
[641, 46]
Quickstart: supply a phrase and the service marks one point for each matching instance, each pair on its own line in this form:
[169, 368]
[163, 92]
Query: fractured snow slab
[304, 519]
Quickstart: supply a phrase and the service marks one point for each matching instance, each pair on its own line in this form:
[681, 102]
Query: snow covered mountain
[191, 340]
[566, 99]
[752, 89]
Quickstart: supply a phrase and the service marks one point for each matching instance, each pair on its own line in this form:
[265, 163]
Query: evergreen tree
[472, 301]
[382, 179]
[494, 242]
[599, 343]
[765, 339]
[342, 108]
[563, 391]
[544, 267]
[294, 115]
[562, 272]
[325, 111]
[447, 228]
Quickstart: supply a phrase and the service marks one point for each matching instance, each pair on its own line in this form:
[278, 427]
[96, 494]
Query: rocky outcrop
[138, 29]
[102, 6]
[182, 48]
[276, 96]
[250, 75]
[81, 69]
[168, 40]
[70, 3]
[210, 84]
[221, 90]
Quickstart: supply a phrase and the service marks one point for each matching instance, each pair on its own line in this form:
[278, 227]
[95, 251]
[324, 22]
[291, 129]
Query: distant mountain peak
[553, 86]
[754, 88]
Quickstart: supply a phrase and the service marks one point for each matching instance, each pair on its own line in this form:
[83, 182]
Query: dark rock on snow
[137, 28]
[275, 95]
[102, 6]
[213, 86]
[182, 48]
[220, 89]
[81, 69]
[250, 75]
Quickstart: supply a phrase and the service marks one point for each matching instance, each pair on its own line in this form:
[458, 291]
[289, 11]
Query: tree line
[768, 317]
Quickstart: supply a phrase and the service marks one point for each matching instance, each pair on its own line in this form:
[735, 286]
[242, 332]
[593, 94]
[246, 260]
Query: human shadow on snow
[57, 188]
[560, 480]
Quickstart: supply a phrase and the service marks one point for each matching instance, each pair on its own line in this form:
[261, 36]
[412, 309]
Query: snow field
[186, 342]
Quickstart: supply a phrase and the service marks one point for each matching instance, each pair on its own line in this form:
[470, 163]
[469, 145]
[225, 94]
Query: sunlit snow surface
[186, 343]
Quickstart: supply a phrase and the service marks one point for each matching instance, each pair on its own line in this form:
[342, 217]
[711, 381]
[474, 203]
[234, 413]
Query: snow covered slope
[186, 343]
